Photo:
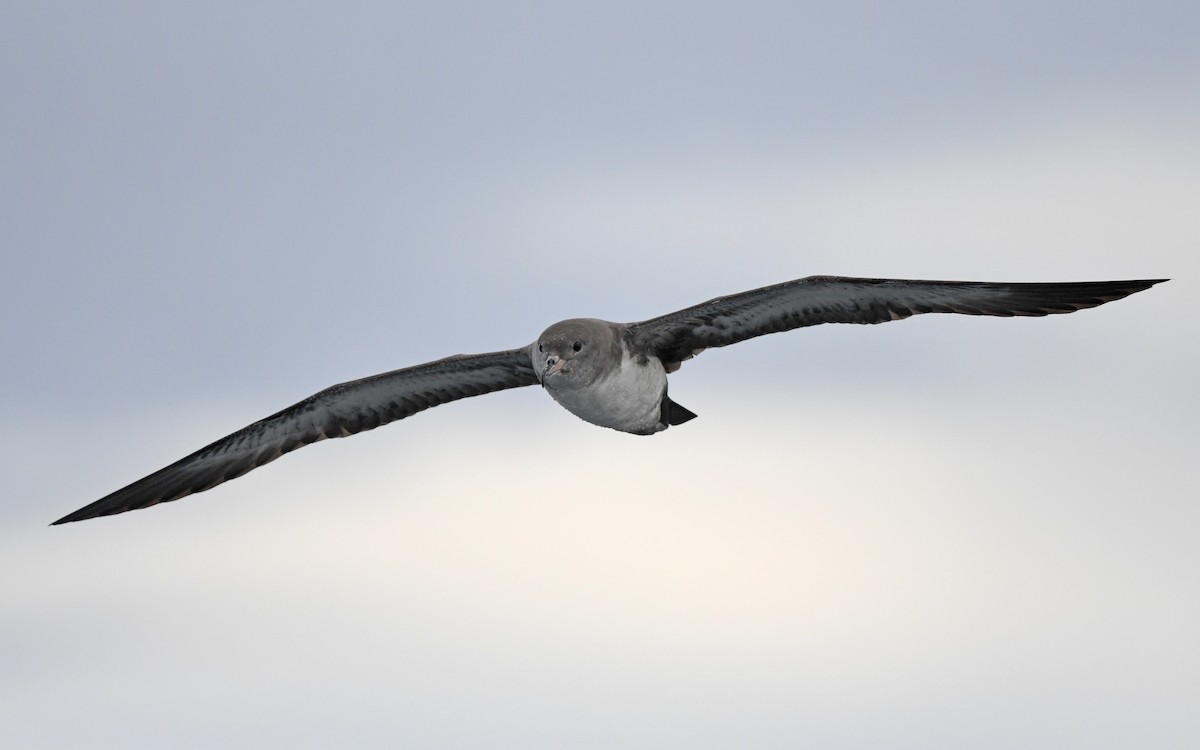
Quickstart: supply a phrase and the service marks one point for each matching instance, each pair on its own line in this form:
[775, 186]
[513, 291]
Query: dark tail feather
[673, 413]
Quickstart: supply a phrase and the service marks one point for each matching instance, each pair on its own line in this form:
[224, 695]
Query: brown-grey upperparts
[610, 374]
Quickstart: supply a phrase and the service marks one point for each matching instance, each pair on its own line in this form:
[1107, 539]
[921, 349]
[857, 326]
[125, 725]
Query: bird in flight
[610, 374]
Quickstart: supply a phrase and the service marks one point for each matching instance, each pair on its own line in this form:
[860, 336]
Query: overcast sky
[942, 533]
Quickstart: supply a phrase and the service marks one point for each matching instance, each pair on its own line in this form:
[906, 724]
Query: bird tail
[673, 413]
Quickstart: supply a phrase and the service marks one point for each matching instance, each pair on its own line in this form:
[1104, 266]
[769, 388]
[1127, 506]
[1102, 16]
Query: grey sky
[947, 532]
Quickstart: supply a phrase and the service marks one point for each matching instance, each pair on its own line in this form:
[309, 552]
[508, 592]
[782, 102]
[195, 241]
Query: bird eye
[577, 345]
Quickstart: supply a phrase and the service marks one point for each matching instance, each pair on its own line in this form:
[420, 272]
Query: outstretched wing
[838, 299]
[338, 411]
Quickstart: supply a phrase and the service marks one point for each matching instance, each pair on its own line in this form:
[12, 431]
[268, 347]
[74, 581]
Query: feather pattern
[841, 299]
[338, 411]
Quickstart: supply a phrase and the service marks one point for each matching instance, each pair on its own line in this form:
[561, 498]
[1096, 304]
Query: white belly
[629, 399]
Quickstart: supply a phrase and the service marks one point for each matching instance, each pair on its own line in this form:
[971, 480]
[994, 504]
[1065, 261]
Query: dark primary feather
[839, 299]
[338, 411]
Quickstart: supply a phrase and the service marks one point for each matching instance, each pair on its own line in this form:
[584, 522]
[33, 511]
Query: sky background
[948, 532]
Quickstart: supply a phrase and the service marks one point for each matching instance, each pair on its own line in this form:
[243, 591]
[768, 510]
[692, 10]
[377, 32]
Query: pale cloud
[878, 548]
[1079, 194]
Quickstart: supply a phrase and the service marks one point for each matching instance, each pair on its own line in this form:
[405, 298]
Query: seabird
[610, 374]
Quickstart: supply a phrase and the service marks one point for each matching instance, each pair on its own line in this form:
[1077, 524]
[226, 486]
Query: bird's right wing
[338, 411]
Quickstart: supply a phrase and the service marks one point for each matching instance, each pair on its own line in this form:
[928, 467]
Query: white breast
[628, 399]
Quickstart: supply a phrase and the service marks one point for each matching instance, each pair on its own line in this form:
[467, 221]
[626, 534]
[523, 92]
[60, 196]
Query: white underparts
[628, 399]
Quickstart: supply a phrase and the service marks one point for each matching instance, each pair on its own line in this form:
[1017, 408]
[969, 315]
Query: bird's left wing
[338, 411]
[841, 299]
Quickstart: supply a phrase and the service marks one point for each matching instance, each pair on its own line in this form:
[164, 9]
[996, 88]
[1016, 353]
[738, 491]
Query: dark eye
[577, 345]
[540, 347]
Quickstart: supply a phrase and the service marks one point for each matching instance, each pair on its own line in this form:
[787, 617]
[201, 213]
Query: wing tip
[1133, 286]
[78, 515]
[86, 512]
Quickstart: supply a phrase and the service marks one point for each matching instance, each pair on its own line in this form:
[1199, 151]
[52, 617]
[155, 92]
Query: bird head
[573, 353]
